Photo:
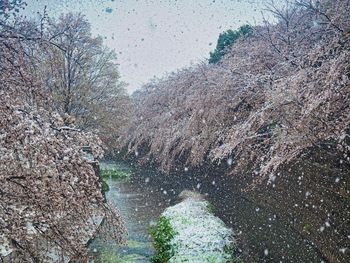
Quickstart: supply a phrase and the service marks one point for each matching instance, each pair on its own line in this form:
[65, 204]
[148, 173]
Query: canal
[261, 235]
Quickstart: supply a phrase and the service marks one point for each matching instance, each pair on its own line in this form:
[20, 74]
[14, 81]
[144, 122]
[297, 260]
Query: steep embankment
[276, 108]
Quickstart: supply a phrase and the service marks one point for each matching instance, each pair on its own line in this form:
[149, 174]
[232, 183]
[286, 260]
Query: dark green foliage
[162, 234]
[227, 39]
[308, 228]
[232, 249]
[105, 186]
[115, 173]
[211, 208]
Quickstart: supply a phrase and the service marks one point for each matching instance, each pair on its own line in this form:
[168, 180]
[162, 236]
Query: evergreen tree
[226, 40]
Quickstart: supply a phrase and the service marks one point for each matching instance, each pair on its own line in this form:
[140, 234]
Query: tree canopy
[50, 196]
[272, 96]
[82, 76]
[226, 40]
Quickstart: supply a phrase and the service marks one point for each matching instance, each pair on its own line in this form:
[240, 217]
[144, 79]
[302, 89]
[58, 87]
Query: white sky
[155, 37]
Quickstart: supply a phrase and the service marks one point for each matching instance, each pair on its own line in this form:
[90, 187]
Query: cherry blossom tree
[82, 76]
[50, 197]
[274, 114]
[282, 90]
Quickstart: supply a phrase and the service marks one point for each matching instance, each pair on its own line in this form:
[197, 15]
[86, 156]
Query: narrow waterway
[139, 209]
[261, 235]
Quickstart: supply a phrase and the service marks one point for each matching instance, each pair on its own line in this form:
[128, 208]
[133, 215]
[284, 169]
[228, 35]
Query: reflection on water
[139, 208]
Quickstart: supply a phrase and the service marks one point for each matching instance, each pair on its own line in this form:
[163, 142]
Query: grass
[232, 250]
[162, 234]
[115, 173]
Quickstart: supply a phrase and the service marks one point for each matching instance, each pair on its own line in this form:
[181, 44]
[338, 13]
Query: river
[261, 235]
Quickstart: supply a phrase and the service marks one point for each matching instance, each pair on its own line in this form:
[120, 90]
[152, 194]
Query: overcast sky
[154, 37]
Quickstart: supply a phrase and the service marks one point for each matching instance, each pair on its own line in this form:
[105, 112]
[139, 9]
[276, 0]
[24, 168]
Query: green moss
[115, 173]
[105, 186]
[136, 244]
[131, 258]
[162, 234]
[108, 256]
[308, 228]
[211, 208]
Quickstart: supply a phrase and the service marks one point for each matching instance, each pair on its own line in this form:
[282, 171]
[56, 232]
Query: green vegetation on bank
[162, 234]
[115, 173]
[105, 186]
[109, 256]
[112, 172]
[211, 208]
[189, 232]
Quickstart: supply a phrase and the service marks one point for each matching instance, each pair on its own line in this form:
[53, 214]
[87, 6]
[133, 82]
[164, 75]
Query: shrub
[162, 234]
[105, 186]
